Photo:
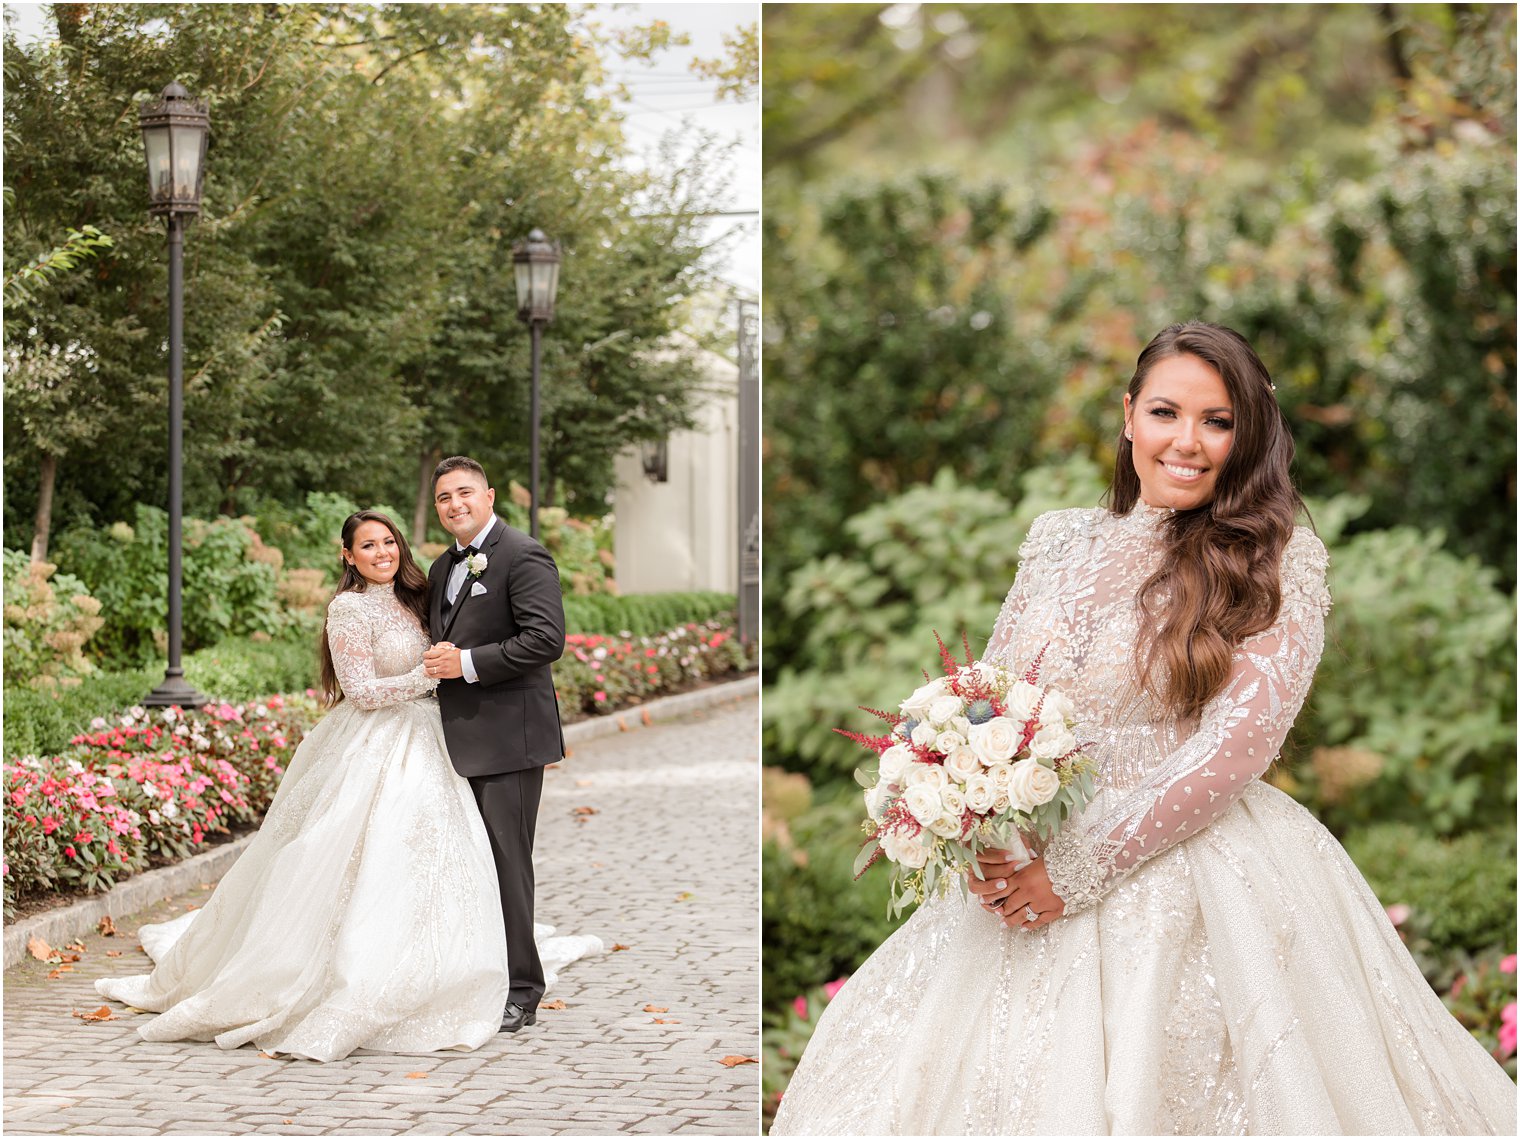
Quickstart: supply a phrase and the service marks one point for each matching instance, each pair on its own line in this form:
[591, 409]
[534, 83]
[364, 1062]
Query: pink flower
[1508, 964]
[69, 850]
[49, 824]
[834, 986]
[1507, 1031]
[1398, 913]
[599, 697]
[18, 797]
[799, 1006]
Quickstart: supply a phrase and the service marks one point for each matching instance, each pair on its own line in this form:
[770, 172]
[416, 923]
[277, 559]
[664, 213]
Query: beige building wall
[684, 534]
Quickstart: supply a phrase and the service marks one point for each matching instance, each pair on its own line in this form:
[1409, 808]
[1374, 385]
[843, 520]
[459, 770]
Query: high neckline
[1145, 516]
[383, 589]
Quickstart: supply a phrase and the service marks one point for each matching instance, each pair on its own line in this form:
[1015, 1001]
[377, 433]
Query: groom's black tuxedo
[504, 728]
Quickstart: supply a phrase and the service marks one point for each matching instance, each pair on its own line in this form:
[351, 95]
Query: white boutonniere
[475, 564]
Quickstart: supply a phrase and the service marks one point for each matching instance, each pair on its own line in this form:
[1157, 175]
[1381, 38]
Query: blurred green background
[976, 216]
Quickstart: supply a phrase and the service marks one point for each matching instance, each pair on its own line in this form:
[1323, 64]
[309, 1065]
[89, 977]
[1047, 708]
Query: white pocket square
[477, 590]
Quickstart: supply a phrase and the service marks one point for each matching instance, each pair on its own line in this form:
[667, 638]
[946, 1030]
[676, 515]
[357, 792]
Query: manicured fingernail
[1002, 885]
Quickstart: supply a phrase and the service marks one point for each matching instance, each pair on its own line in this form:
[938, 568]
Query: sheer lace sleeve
[351, 627]
[1237, 738]
[1018, 595]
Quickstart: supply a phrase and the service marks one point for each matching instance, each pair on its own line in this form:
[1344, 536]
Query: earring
[1130, 435]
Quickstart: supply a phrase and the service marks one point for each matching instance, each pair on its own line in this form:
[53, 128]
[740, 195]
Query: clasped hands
[1013, 894]
[442, 661]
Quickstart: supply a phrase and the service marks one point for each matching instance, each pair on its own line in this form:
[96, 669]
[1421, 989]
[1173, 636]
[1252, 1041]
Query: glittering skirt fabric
[364, 914]
[1245, 982]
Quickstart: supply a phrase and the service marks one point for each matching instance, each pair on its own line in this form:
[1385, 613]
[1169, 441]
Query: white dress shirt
[456, 582]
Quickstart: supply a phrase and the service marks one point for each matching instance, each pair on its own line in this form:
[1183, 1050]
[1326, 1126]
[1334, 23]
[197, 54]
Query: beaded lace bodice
[377, 648]
[1160, 781]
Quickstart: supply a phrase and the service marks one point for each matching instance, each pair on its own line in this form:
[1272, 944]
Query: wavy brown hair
[410, 585]
[1218, 581]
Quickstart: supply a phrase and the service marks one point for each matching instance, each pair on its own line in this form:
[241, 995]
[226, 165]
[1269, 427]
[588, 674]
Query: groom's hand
[442, 661]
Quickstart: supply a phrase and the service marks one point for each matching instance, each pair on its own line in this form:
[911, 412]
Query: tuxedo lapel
[466, 587]
[438, 582]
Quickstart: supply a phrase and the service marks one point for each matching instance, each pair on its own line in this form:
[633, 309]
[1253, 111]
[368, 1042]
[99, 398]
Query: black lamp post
[175, 130]
[536, 264]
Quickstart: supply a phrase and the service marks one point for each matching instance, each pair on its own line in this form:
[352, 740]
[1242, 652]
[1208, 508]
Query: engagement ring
[1029, 914]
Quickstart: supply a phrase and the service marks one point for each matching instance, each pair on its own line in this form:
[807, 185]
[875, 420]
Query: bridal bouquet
[976, 760]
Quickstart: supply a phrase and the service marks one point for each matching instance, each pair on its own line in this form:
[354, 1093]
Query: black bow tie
[459, 555]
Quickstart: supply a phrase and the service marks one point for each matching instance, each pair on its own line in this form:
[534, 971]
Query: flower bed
[599, 674]
[150, 785]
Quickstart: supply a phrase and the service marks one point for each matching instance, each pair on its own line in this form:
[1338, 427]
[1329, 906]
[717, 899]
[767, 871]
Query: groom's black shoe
[514, 1016]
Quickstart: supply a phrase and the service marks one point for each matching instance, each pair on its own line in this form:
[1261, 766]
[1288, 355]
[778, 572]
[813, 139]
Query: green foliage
[644, 614]
[48, 620]
[1413, 711]
[236, 670]
[227, 591]
[826, 922]
[1461, 891]
[78, 244]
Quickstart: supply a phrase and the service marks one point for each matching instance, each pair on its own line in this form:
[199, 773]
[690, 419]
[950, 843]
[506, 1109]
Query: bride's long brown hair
[410, 585]
[1218, 581]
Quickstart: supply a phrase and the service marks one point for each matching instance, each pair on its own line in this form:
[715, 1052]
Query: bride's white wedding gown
[1243, 981]
[365, 913]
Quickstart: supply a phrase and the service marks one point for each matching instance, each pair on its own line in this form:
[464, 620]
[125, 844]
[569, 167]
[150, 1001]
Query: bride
[365, 913]
[1194, 953]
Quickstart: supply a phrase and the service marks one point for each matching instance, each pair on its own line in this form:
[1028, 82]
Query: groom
[497, 623]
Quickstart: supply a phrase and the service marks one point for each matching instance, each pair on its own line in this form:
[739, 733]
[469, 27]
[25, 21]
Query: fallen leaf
[113, 952]
[735, 1061]
[616, 945]
[416, 1075]
[39, 948]
[657, 1020]
[60, 971]
[622, 724]
[102, 1013]
[584, 782]
[76, 945]
[268, 1056]
[287, 1122]
[107, 927]
[656, 1008]
[685, 896]
[192, 907]
[67, 958]
[585, 811]
[551, 1004]
[646, 716]
[596, 866]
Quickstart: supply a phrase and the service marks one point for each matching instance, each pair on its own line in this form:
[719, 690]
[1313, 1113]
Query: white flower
[987, 673]
[942, 708]
[959, 724]
[962, 763]
[980, 793]
[171, 808]
[1021, 700]
[876, 800]
[915, 707]
[911, 851]
[1052, 742]
[1001, 803]
[948, 741]
[946, 826]
[927, 775]
[924, 734]
[1032, 784]
[1058, 709]
[922, 801]
[995, 741]
[476, 564]
[953, 800]
[894, 763]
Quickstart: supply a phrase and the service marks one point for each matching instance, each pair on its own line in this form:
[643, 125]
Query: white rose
[1032, 785]
[980, 793]
[962, 763]
[1058, 709]
[1000, 774]
[1021, 699]
[876, 800]
[1001, 803]
[959, 724]
[927, 775]
[894, 763]
[953, 801]
[911, 851]
[922, 801]
[948, 741]
[995, 741]
[1052, 742]
[946, 826]
[942, 708]
[915, 707]
[924, 734]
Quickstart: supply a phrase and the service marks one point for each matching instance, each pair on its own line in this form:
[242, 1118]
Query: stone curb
[58, 927]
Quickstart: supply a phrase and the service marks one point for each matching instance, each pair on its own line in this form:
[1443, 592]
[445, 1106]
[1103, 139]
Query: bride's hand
[1030, 893]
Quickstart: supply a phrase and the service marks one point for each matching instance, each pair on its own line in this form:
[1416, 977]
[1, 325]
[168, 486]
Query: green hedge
[643, 614]
[237, 669]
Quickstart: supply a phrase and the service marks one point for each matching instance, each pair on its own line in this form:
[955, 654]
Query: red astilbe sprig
[878, 744]
[897, 818]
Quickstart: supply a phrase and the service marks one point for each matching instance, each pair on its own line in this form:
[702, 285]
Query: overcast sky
[666, 97]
